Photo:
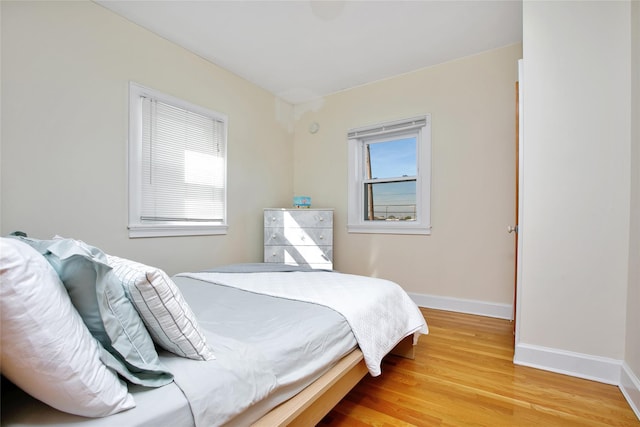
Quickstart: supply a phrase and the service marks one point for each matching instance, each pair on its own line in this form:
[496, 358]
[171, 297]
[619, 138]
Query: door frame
[520, 199]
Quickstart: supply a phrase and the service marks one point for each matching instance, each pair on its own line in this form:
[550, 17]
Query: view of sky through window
[391, 160]
[395, 158]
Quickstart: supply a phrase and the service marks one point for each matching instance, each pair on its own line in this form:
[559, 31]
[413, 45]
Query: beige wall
[65, 73]
[469, 254]
[632, 354]
[576, 176]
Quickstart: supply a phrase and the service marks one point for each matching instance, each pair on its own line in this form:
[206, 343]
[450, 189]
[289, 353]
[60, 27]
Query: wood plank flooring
[463, 375]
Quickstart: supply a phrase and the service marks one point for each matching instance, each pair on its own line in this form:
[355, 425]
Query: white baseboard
[595, 368]
[630, 387]
[601, 369]
[481, 308]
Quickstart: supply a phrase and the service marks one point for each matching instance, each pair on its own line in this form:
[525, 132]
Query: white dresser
[299, 237]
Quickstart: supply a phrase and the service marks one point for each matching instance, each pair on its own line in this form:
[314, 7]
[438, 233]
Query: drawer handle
[273, 218]
[321, 218]
[273, 236]
[321, 237]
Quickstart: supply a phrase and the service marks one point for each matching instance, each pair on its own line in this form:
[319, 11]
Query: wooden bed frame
[309, 406]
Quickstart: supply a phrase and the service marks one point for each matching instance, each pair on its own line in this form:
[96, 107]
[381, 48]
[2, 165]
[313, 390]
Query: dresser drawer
[300, 255]
[298, 236]
[301, 218]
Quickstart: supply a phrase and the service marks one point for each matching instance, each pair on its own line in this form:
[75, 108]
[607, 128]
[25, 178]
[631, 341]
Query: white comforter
[379, 311]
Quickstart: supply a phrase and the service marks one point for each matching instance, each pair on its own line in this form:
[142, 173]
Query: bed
[283, 344]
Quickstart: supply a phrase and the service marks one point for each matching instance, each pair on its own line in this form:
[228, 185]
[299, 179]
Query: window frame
[357, 138]
[137, 227]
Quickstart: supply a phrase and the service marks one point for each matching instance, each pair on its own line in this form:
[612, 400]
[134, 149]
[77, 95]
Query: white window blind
[182, 165]
[387, 128]
[177, 166]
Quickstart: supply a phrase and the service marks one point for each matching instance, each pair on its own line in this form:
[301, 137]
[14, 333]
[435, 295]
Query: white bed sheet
[281, 348]
[379, 312]
[153, 408]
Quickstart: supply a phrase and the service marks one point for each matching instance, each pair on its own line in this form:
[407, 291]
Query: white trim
[137, 90]
[398, 228]
[388, 127]
[520, 220]
[596, 368]
[630, 387]
[159, 230]
[480, 308]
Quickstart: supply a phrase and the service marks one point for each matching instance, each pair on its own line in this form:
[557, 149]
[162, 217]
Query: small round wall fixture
[314, 127]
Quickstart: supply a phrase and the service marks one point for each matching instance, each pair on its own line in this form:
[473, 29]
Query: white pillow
[46, 349]
[97, 295]
[168, 317]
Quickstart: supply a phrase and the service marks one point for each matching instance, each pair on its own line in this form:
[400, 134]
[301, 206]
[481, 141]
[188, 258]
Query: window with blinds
[177, 166]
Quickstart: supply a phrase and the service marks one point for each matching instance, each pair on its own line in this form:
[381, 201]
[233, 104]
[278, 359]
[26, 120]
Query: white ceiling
[302, 50]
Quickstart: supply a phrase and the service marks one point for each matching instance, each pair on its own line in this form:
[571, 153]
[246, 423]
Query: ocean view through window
[390, 177]
[390, 184]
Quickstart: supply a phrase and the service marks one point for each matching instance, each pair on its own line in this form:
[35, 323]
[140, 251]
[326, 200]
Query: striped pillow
[168, 317]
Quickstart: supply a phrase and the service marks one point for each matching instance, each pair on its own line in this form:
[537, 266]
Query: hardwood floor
[463, 375]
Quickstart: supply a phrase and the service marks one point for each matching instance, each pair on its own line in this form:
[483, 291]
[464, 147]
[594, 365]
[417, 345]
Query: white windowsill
[167, 230]
[388, 229]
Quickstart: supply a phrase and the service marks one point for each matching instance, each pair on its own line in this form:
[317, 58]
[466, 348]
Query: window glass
[393, 158]
[391, 201]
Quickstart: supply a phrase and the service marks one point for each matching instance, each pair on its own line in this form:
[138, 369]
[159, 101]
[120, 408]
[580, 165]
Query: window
[177, 166]
[390, 177]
